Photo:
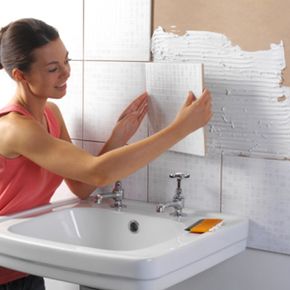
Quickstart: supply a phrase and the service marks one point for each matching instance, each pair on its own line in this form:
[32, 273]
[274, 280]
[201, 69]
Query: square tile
[117, 30]
[52, 12]
[259, 190]
[201, 190]
[109, 87]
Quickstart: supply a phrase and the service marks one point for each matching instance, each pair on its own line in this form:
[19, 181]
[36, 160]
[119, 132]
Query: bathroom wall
[248, 137]
[246, 167]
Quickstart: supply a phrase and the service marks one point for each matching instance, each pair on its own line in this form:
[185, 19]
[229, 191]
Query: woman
[36, 152]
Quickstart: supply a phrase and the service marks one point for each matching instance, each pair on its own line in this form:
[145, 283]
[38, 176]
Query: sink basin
[131, 249]
[101, 229]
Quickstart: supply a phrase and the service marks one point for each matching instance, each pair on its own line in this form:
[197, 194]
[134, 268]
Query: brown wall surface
[250, 24]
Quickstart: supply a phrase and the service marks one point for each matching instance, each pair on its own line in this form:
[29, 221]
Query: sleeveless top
[24, 184]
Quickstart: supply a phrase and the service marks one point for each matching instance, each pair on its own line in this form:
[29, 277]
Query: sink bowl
[130, 249]
[100, 229]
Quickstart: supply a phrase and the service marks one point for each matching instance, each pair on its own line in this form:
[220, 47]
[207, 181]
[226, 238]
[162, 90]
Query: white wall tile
[135, 185]
[117, 30]
[259, 189]
[201, 190]
[108, 90]
[8, 87]
[66, 16]
[71, 105]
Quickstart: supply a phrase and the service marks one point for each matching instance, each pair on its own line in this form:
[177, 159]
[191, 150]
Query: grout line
[83, 75]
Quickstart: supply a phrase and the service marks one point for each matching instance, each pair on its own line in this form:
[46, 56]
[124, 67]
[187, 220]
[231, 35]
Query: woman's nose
[65, 70]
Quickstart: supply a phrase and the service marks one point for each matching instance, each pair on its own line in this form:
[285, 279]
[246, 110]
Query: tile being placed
[259, 190]
[201, 190]
[117, 30]
[51, 12]
[135, 185]
[71, 105]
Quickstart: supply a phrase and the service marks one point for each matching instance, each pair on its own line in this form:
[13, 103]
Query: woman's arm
[28, 138]
[127, 124]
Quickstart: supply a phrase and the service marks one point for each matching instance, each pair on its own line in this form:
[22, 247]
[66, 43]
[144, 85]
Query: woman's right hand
[194, 113]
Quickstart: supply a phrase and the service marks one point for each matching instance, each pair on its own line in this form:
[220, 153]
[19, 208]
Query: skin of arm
[28, 138]
[127, 124]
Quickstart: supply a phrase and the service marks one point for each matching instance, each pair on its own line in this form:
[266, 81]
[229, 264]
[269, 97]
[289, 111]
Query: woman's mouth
[61, 86]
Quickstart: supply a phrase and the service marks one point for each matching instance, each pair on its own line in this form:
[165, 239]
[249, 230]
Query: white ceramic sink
[132, 249]
[100, 228]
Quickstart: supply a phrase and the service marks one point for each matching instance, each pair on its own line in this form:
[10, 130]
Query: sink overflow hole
[134, 226]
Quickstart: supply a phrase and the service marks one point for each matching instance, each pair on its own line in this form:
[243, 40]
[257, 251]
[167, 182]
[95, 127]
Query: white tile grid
[66, 16]
[117, 30]
[71, 105]
[168, 85]
[109, 87]
[135, 185]
[201, 190]
[259, 190]
[8, 87]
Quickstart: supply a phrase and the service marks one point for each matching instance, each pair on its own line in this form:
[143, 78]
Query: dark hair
[19, 39]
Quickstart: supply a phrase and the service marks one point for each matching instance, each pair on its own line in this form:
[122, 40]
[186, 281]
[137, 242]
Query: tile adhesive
[251, 106]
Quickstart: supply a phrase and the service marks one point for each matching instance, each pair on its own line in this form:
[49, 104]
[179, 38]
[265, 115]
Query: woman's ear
[18, 75]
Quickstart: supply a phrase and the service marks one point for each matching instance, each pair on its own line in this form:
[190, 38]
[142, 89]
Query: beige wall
[253, 25]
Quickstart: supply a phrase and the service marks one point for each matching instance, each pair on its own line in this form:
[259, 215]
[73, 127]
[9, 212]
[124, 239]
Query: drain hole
[133, 226]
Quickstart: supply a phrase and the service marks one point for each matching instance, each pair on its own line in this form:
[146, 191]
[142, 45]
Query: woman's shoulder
[13, 127]
[53, 107]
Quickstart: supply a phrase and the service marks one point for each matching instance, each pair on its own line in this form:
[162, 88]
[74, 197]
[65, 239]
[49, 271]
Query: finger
[193, 96]
[135, 105]
[142, 113]
[205, 96]
[140, 100]
[189, 99]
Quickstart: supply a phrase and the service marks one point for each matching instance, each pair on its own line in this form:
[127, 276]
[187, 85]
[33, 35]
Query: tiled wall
[255, 186]
[251, 118]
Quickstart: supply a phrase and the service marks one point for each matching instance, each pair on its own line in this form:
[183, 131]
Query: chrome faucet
[178, 199]
[117, 195]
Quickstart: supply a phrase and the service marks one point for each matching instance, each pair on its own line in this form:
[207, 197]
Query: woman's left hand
[130, 120]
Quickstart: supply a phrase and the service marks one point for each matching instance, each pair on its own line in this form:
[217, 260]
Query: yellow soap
[205, 225]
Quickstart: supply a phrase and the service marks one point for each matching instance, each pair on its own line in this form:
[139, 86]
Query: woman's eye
[52, 69]
[67, 60]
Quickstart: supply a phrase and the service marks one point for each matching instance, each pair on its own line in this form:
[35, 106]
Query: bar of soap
[206, 225]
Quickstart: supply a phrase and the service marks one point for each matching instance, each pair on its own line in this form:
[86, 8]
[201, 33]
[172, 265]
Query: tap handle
[118, 185]
[179, 175]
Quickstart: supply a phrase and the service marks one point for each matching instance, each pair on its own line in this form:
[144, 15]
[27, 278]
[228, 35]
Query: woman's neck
[33, 104]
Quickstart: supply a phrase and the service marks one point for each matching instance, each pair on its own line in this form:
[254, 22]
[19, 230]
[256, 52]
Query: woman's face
[50, 71]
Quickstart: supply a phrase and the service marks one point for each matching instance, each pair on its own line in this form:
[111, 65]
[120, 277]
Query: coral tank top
[24, 184]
